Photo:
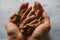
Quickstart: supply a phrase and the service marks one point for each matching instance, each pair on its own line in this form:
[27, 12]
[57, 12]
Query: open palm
[12, 25]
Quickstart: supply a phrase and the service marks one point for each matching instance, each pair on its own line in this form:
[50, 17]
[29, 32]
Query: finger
[37, 6]
[26, 13]
[23, 6]
[44, 15]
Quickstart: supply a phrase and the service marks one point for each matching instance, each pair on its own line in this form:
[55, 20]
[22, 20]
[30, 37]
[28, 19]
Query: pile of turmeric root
[28, 20]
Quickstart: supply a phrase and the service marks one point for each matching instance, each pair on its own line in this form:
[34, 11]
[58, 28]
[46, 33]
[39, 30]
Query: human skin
[43, 29]
[39, 32]
[12, 27]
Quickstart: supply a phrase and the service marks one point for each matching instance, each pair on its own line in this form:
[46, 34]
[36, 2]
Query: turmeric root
[28, 21]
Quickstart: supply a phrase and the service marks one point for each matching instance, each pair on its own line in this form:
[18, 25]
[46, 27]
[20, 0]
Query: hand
[12, 25]
[11, 28]
[42, 30]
